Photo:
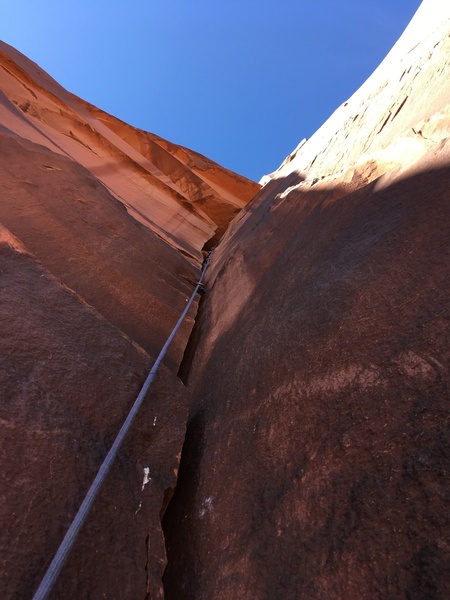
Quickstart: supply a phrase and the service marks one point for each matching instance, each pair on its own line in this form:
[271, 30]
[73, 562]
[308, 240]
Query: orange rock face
[315, 461]
[179, 194]
[317, 452]
[67, 381]
[73, 176]
[102, 229]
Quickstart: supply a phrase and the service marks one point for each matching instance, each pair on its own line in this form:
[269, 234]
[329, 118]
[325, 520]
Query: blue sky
[241, 81]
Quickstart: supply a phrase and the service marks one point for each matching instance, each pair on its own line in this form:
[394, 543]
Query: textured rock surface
[101, 234]
[317, 453]
[67, 380]
[400, 114]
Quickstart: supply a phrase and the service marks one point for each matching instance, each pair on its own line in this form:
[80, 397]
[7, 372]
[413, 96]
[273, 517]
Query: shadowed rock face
[67, 380]
[317, 452]
[316, 459]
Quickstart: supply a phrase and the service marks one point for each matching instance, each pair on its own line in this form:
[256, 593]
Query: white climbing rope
[57, 563]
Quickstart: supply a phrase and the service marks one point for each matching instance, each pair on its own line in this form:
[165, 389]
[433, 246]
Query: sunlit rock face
[400, 114]
[102, 231]
[317, 452]
[177, 193]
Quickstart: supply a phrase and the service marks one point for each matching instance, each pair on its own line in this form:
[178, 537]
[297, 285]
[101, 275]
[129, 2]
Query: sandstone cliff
[102, 232]
[317, 453]
[315, 461]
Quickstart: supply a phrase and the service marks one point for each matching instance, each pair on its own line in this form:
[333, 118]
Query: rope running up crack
[57, 563]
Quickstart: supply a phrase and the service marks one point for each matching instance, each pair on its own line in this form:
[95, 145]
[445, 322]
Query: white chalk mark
[206, 507]
[146, 478]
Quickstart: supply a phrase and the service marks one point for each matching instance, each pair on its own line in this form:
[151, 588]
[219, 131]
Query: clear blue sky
[241, 81]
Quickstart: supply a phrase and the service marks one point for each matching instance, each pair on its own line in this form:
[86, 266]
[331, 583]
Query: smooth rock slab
[317, 455]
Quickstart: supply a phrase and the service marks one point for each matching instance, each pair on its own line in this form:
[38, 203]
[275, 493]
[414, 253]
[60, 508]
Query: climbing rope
[57, 563]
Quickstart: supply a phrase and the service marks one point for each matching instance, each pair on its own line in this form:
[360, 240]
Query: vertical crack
[179, 544]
